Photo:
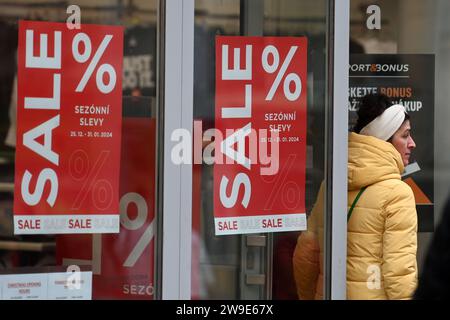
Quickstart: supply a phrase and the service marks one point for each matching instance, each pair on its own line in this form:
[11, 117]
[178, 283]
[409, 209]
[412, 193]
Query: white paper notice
[24, 286]
[70, 287]
[46, 286]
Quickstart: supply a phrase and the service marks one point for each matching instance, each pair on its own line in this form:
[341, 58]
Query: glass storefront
[128, 265]
[122, 264]
[166, 211]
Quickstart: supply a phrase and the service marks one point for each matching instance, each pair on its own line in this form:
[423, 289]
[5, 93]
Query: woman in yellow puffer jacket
[382, 228]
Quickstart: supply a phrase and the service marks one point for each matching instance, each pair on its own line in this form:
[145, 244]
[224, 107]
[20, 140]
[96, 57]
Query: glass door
[108, 156]
[256, 265]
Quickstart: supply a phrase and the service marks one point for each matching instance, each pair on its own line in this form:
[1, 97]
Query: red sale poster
[69, 129]
[122, 264]
[260, 119]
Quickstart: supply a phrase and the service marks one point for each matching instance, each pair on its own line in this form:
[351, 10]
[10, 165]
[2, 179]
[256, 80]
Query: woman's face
[403, 141]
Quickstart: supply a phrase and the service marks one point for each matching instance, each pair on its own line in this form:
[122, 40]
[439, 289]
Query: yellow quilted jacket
[382, 231]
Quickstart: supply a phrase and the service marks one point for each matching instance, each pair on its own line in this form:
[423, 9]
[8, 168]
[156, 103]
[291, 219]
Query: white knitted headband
[386, 124]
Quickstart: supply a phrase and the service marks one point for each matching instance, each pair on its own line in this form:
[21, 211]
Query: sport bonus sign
[260, 110]
[69, 126]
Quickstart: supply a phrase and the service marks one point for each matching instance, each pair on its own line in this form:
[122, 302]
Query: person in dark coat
[434, 281]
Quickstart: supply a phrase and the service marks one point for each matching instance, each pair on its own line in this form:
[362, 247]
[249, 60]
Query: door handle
[256, 241]
[255, 279]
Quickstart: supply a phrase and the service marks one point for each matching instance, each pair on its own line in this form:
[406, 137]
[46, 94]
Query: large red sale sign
[260, 117]
[69, 129]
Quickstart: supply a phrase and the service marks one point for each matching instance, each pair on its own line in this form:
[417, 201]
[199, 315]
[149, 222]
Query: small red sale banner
[69, 129]
[260, 121]
[122, 264]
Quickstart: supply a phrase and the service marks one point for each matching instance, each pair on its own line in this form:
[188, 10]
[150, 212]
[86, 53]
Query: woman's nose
[411, 143]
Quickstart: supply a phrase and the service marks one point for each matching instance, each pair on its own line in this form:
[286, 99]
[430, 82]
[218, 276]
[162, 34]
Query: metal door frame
[174, 182]
[336, 127]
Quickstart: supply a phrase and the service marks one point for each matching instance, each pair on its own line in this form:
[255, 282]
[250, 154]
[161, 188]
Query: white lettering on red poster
[261, 112]
[69, 129]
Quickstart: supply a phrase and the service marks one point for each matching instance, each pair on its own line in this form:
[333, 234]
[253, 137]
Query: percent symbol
[272, 67]
[104, 68]
[135, 224]
[285, 191]
[100, 190]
